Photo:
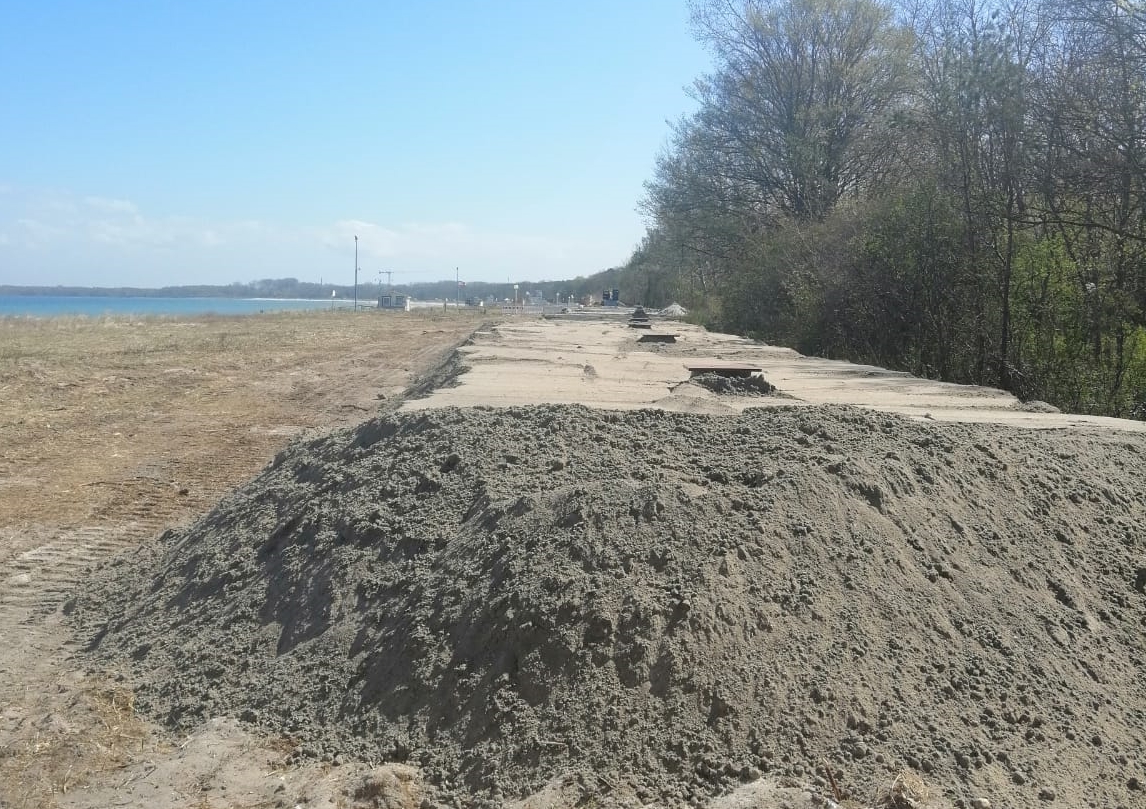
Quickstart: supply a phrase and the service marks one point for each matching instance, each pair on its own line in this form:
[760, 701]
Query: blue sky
[164, 142]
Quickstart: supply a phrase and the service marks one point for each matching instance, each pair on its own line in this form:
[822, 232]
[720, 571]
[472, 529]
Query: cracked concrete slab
[598, 362]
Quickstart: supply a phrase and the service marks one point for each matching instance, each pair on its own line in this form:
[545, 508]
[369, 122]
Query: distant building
[391, 301]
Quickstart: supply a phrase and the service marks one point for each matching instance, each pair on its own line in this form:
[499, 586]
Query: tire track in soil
[35, 583]
[39, 579]
[45, 563]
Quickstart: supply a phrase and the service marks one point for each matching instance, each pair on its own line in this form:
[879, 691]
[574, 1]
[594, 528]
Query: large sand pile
[666, 605]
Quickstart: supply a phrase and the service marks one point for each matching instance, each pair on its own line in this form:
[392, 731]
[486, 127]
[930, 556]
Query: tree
[803, 96]
[959, 190]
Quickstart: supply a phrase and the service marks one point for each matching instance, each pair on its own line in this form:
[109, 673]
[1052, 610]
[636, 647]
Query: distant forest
[955, 188]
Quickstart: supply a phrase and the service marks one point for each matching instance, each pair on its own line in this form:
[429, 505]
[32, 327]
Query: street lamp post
[355, 273]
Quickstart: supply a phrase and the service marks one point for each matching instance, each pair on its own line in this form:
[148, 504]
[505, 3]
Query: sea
[97, 306]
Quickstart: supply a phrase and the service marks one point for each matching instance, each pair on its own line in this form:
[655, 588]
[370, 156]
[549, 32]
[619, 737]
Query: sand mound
[666, 605]
[754, 385]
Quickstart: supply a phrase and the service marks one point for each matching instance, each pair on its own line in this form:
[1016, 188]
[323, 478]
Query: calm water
[52, 305]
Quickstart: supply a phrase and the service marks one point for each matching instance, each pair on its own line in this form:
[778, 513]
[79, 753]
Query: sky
[158, 142]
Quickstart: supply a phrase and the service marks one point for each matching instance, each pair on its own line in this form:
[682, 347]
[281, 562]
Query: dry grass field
[103, 418]
[112, 429]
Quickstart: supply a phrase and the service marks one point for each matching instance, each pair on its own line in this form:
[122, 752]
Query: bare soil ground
[112, 430]
[711, 561]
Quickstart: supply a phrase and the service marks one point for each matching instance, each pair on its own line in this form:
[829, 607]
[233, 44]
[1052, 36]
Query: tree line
[951, 187]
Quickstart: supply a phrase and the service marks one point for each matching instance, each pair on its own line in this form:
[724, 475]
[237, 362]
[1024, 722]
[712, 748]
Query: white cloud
[110, 205]
[56, 237]
[103, 222]
[35, 234]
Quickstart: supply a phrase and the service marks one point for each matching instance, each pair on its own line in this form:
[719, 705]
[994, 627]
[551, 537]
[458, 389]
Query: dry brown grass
[96, 733]
[160, 404]
[907, 791]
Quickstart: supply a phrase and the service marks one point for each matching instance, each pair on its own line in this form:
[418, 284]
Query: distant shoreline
[46, 306]
[310, 292]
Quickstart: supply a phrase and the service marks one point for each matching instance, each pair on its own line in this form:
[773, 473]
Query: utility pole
[356, 273]
[457, 288]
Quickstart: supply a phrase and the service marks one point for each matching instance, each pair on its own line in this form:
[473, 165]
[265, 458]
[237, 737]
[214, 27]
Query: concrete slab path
[598, 362]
